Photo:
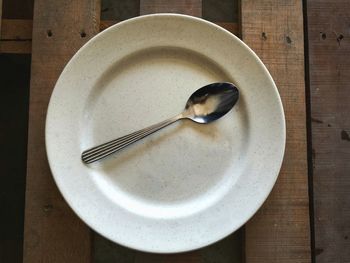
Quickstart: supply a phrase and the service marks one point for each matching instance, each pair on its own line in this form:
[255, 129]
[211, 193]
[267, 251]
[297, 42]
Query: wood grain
[16, 34]
[232, 27]
[279, 232]
[16, 29]
[53, 233]
[188, 7]
[16, 47]
[329, 53]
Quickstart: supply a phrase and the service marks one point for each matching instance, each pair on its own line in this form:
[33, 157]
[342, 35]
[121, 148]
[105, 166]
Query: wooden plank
[232, 27]
[188, 7]
[279, 232]
[329, 53]
[107, 23]
[16, 47]
[16, 29]
[16, 34]
[53, 233]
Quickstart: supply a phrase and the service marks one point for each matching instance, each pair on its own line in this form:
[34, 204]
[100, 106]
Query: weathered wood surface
[232, 27]
[16, 29]
[329, 63]
[53, 233]
[16, 34]
[279, 232]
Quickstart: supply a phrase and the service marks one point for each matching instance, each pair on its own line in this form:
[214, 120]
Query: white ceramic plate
[188, 185]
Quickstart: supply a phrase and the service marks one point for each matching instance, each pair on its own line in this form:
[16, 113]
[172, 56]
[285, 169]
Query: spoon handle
[101, 151]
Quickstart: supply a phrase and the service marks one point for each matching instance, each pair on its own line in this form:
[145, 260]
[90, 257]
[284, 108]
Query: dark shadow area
[227, 250]
[14, 79]
[309, 131]
[220, 11]
[17, 9]
[119, 9]
[212, 10]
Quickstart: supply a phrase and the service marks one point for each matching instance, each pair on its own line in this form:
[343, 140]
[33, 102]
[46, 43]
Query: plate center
[182, 163]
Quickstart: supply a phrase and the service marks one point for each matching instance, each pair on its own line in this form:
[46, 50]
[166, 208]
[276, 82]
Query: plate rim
[256, 59]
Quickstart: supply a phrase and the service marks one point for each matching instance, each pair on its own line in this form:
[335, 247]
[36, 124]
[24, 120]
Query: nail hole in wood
[49, 33]
[340, 37]
[82, 33]
[323, 36]
[288, 39]
[263, 35]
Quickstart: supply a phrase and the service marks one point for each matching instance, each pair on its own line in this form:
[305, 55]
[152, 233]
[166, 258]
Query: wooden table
[274, 29]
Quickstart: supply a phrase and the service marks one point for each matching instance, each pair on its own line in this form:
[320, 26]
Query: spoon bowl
[211, 102]
[205, 105]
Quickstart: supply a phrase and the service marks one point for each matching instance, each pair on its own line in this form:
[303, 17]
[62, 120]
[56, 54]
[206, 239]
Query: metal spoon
[207, 104]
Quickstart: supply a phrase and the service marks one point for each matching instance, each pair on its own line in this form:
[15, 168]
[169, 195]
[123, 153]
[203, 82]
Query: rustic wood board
[16, 34]
[16, 29]
[53, 233]
[329, 63]
[279, 232]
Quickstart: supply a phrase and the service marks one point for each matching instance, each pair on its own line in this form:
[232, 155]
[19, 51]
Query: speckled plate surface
[188, 185]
